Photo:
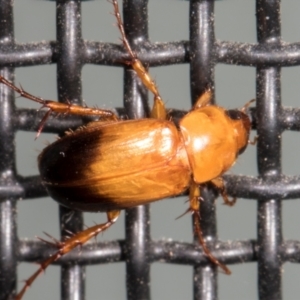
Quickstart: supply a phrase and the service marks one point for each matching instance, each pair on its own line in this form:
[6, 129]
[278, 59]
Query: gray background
[102, 86]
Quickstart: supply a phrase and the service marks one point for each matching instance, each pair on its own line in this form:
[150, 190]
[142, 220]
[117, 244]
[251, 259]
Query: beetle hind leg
[195, 210]
[58, 107]
[69, 244]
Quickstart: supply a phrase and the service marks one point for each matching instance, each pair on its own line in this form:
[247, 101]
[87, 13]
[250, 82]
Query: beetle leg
[61, 108]
[219, 184]
[66, 246]
[158, 110]
[195, 209]
[204, 99]
[102, 121]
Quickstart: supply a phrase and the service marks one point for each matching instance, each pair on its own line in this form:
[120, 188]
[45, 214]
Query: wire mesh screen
[122, 264]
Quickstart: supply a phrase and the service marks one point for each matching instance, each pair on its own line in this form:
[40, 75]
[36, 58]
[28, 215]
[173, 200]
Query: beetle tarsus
[194, 208]
[41, 269]
[120, 25]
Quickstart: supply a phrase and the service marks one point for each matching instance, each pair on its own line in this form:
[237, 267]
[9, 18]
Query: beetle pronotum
[147, 159]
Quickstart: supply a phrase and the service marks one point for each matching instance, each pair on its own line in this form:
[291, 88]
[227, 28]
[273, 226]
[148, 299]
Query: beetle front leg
[195, 209]
[66, 246]
[158, 111]
[219, 184]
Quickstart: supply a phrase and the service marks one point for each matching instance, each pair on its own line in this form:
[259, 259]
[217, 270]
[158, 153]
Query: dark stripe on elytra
[67, 158]
[83, 198]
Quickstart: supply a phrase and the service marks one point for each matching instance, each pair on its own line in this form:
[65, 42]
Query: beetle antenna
[246, 106]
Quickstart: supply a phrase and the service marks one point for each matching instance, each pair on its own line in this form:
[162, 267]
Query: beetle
[115, 164]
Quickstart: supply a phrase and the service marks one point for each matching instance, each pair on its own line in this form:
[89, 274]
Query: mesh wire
[69, 52]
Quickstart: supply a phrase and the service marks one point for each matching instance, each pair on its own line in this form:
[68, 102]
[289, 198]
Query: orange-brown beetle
[146, 159]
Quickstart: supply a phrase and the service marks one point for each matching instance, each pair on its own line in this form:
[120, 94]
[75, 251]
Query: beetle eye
[234, 114]
[242, 125]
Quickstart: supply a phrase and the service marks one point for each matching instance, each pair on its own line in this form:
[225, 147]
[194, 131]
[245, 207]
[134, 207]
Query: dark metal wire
[70, 52]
